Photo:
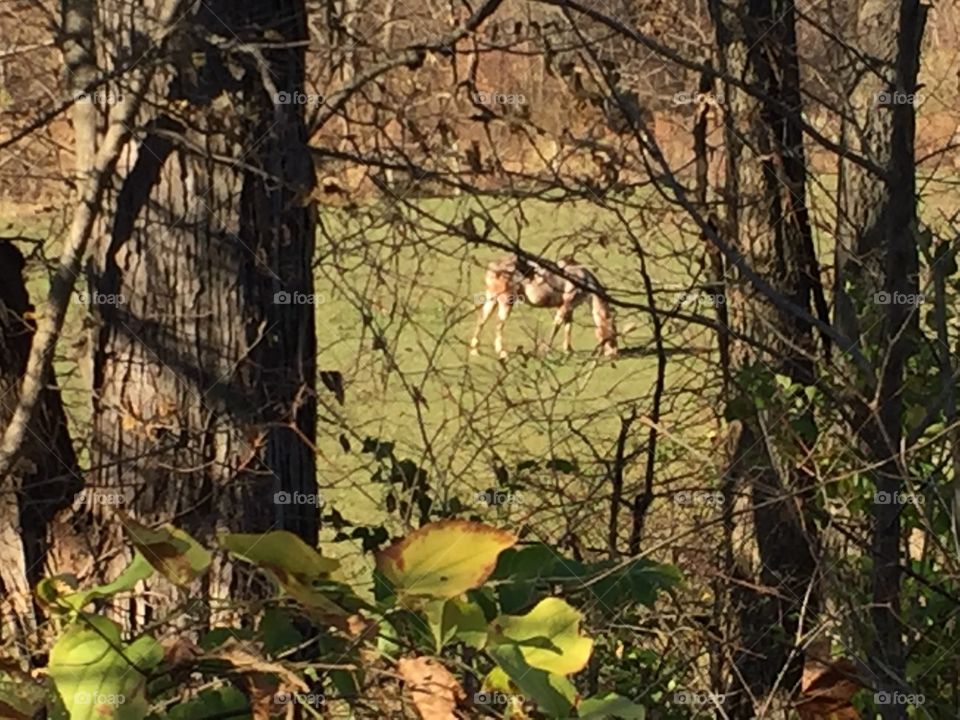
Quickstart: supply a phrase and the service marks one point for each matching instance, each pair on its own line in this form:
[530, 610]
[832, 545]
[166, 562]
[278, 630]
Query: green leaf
[497, 680]
[170, 550]
[562, 466]
[456, 619]
[138, 569]
[380, 449]
[640, 581]
[299, 569]
[548, 637]
[97, 676]
[443, 559]
[553, 694]
[50, 590]
[608, 706]
[525, 575]
[225, 701]
[278, 631]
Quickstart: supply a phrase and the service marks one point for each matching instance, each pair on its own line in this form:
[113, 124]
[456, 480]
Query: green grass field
[416, 284]
[398, 292]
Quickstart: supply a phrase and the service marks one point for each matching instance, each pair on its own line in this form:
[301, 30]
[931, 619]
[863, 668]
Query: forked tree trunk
[204, 360]
[772, 575]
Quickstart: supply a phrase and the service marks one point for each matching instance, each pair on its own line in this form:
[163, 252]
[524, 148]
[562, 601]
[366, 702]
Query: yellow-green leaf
[443, 559]
[298, 568]
[97, 676]
[170, 550]
[554, 694]
[53, 591]
[456, 620]
[548, 637]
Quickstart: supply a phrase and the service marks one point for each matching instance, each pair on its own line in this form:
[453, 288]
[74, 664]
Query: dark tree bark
[773, 587]
[204, 358]
[45, 477]
[877, 253]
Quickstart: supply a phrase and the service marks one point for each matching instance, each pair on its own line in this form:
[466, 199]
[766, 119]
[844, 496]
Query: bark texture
[876, 257]
[773, 545]
[204, 359]
[44, 478]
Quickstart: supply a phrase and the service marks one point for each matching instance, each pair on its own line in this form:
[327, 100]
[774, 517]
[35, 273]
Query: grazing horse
[513, 279]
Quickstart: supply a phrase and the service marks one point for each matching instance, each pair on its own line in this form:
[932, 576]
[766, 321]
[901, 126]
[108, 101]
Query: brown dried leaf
[178, 650]
[827, 689]
[434, 690]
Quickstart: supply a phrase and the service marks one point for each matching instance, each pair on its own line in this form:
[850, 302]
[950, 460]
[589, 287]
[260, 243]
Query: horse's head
[525, 268]
[610, 348]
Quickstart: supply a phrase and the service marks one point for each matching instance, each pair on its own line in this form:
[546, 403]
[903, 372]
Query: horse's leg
[485, 312]
[564, 318]
[605, 329]
[503, 312]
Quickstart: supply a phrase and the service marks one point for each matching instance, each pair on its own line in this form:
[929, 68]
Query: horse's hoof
[474, 352]
[502, 355]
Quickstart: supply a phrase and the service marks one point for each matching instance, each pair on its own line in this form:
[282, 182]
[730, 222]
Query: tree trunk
[204, 360]
[877, 254]
[772, 579]
[45, 477]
